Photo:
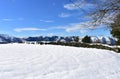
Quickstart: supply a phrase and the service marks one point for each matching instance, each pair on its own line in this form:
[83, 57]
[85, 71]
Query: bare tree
[104, 11]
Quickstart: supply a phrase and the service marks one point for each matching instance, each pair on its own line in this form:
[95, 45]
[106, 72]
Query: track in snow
[23, 61]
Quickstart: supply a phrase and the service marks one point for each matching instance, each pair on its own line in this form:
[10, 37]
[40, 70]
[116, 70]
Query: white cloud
[59, 27]
[79, 5]
[6, 19]
[77, 26]
[83, 31]
[82, 27]
[28, 29]
[73, 27]
[64, 15]
[47, 21]
[20, 19]
[71, 6]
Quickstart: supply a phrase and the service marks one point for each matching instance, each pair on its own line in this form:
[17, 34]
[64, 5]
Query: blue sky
[45, 17]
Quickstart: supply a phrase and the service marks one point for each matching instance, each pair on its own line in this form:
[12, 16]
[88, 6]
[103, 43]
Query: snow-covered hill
[23, 61]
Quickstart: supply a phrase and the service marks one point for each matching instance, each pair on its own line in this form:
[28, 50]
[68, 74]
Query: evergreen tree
[115, 28]
[86, 39]
[76, 38]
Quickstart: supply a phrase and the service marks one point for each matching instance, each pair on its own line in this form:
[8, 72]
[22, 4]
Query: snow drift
[23, 61]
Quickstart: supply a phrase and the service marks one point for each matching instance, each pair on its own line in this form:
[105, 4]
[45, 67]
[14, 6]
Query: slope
[23, 61]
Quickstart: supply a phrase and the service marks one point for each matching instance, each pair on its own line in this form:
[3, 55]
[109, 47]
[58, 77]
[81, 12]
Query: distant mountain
[103, 40]
[4, 38]
[52, 38]
[94, 39]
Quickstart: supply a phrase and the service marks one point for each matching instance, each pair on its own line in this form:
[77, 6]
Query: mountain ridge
[4, 38]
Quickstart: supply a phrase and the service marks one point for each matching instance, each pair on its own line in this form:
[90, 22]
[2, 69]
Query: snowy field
[26, 61]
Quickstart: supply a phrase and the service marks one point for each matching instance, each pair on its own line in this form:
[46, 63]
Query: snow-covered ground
[26, 61]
